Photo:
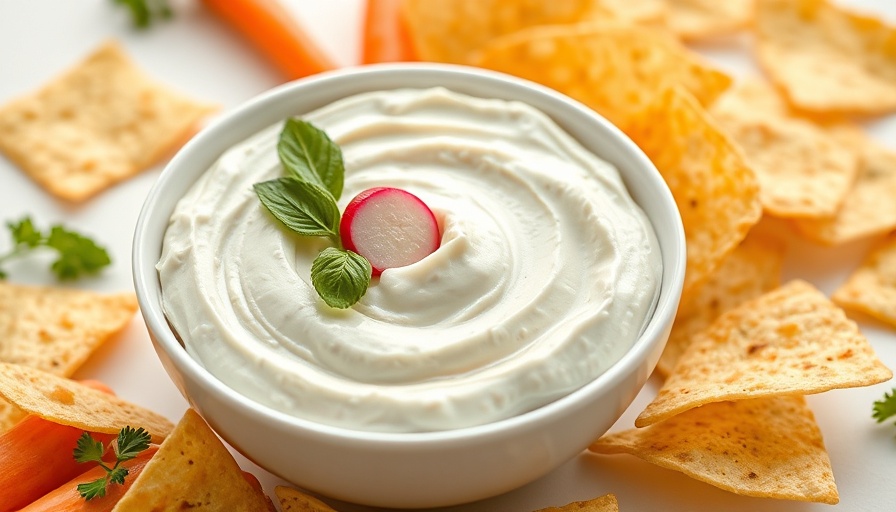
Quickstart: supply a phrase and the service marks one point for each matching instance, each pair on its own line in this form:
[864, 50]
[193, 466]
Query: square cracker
[192, 470]
[56, 329]
[99, 123]
[871, 289]
[825, 59]
[790, 341]
[765, 447]
[716, 191]
[752, 269]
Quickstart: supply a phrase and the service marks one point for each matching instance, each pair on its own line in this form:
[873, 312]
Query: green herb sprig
[129, 444]
[885, 408]
[77, 255]
[305, 202]
[144, 12]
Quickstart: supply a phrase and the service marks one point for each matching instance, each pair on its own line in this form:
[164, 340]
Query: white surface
[196, 55]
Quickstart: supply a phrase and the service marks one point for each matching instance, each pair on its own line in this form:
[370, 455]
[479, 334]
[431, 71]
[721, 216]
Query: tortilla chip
[639, 12]
[9, 415]
[825, 59]
[716, 192]
[448, 30]
[67, 402]
[605, 503]
[869, 207]
[752, 269]
[803, 172]
[192, 470]
[871, 289]
[56, 329]
[789, 341]
[100, 123]
[766, 447]
[292, 500]
[699, 19]
[616, 70]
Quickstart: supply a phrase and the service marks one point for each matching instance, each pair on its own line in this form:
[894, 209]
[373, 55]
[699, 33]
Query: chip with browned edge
[789, 341]
[698, 19]
[871, 289]
[752, 269]
[825, 59]
[99, 123]
[67, 402]
[616, 70]
[56, 329]
[803, 171]
[870, 206]
[765, 447]
[448, 30]
[605, 503]
[293, 500]
[716, 192]
[192, 470]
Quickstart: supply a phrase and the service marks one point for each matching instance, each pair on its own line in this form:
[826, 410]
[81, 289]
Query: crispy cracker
[67, 402]
[9, 415]
[639, 12]
[192, 470]
[869, 207]
[752, 269]
[99, 123]
[790, 341]
[871, 289]
[293, 500]
[616, 70]
[803, 171]
[765, 447]
[825, 59]
[698, 19]
[716, 192]
[56, 329]
[605, 503]
[447, 31]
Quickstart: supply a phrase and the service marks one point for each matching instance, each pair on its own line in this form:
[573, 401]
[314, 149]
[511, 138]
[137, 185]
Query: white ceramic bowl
[417, 469]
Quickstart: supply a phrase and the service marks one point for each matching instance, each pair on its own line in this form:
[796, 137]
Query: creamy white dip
[546, 272]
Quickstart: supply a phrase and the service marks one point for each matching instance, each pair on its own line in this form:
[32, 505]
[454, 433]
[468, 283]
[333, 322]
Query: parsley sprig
[886, 407]
[77, 254]
[305, 202]
[129, 444]
[144, 12]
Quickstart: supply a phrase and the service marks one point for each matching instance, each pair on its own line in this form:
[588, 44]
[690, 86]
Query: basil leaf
[309, 155]
[303, 207]
[340, 277]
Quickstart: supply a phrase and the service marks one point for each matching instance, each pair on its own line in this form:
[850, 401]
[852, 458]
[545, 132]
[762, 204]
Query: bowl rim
[148, 287]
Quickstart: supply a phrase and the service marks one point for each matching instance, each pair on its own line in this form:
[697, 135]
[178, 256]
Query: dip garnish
[305, 202]
[78, 255]
[886, 407]
[129, 444]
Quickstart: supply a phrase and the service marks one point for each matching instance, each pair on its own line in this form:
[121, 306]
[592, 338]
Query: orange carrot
[273, 31]
[65, 498]
[36, 456]
[386, 38]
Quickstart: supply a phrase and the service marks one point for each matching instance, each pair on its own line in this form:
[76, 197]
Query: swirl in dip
[546, 272]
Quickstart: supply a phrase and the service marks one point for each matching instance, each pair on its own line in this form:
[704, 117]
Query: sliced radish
[390, 227]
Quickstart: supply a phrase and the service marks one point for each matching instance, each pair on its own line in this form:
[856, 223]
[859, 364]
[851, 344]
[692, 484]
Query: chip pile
[744, 349]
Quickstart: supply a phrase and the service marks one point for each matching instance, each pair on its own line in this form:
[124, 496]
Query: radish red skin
[387, 216]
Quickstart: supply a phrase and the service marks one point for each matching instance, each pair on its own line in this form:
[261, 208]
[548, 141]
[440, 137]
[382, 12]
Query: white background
[195, 54]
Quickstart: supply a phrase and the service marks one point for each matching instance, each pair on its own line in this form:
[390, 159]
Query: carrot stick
[386, 37]
[65, 498]
[274, 32]
[36, 456]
